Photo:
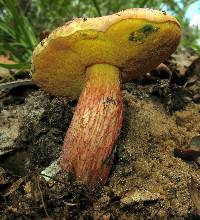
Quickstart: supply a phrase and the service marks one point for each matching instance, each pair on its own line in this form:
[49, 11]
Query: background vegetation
[23, 22]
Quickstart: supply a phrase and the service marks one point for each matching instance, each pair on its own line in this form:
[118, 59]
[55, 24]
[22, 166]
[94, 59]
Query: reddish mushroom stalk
[95, 126]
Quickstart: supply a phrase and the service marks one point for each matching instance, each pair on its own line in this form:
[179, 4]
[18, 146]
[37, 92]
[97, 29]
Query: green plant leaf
[16, 66]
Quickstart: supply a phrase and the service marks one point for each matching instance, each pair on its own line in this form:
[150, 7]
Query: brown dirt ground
[147, 180]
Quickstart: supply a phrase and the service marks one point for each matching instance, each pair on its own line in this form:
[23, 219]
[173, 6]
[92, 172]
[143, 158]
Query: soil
[148, 181]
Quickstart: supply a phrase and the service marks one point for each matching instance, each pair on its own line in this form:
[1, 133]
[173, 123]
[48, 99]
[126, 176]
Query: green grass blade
[16, 66]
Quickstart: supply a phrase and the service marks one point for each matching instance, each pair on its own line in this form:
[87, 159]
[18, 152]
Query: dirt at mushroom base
[144, 159]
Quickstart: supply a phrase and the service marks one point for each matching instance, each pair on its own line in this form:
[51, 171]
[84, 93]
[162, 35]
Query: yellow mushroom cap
[134, 40]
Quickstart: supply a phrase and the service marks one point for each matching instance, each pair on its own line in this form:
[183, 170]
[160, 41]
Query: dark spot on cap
[135, 36]
[42, 42]
[142, 33]
[148, 29]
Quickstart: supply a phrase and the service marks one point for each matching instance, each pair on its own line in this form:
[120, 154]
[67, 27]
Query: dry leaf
[194, 189]
[15, 186]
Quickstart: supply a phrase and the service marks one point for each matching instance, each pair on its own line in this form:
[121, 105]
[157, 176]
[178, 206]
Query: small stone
[5, 75]
[136, 196]
[27, 187]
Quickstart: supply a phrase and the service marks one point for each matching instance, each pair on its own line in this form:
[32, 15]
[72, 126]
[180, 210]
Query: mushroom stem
[96, 124]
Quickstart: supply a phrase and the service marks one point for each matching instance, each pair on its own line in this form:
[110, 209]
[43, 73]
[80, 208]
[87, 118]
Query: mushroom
[90, 58]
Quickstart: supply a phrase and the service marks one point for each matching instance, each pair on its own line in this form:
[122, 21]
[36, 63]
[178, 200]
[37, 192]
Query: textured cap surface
[134, 40]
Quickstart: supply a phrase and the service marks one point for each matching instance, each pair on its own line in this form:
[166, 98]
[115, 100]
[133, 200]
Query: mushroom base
[88, 145]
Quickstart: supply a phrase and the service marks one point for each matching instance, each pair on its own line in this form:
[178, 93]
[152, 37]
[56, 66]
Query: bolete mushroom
[91, 57]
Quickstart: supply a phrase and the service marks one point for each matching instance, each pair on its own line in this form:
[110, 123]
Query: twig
[54, 179]
[44, 206]
[13, 84]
